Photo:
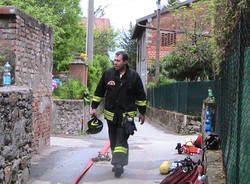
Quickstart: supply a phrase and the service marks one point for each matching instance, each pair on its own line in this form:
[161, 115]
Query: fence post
[186, 86]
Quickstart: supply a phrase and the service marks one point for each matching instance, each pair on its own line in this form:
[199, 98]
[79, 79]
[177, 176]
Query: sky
[122, 12]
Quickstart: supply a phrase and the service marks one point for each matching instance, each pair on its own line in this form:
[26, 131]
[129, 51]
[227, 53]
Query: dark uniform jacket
[122, 96]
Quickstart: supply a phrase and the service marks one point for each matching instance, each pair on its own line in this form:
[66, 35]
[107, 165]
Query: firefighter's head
[121, 60]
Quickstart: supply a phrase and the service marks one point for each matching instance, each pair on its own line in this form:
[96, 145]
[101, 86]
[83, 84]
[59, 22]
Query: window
[168, 39]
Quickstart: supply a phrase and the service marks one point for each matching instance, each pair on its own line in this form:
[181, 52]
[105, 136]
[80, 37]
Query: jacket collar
[118, 73]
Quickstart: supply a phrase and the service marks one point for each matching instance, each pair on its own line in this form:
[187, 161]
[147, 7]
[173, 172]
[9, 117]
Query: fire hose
[101, 157]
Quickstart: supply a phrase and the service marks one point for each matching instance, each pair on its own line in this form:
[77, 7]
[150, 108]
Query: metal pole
[90, 26]
[157, 62]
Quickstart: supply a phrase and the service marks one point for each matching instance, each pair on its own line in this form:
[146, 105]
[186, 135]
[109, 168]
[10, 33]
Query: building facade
[189, 17]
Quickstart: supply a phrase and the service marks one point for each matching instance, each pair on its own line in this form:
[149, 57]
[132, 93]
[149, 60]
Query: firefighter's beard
[121, 68]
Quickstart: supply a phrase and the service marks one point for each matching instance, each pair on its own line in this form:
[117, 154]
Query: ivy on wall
[225, 15]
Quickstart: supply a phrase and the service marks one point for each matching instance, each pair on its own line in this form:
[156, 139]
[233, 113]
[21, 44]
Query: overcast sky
[122, 12]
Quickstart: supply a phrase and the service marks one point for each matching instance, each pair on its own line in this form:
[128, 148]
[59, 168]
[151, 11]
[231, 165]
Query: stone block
[177, 122]
[1, 175]
[15, 141]
[68, 116]
[213, 164]
[7, 174]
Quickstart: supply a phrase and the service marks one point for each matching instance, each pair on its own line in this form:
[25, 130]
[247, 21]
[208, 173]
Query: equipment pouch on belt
[129, 125]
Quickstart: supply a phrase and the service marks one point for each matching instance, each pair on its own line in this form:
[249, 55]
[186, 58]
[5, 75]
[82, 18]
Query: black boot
[118, 169]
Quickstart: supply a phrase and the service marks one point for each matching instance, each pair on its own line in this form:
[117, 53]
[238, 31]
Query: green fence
[233, 104]
[232, 92]
[183, 97]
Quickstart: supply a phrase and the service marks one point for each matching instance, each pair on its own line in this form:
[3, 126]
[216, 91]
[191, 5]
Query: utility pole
[157, 62]
[90, 26]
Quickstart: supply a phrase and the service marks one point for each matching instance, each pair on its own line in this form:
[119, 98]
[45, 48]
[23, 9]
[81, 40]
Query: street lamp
[157, 62]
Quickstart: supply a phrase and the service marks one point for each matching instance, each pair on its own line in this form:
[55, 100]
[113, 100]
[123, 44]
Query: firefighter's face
[119, 64]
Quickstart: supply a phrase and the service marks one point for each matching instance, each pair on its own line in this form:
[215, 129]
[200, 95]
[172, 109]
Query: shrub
[72, 89]
[95, 70]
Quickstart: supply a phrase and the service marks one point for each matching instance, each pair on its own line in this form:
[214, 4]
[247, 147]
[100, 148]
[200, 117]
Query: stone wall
[177, 122]
[15, 134]
[68, 116]
[28, 45]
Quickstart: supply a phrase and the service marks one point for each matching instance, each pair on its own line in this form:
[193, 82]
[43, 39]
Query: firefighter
[124, 94]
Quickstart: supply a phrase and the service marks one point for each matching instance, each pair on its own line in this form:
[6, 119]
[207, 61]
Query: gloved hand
[129, 126]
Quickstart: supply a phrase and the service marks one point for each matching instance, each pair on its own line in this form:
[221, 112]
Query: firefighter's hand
[141, 118]
[93, 112]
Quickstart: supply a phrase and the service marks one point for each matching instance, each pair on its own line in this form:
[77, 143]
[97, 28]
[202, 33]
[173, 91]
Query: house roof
[98, 22]
[143, 21]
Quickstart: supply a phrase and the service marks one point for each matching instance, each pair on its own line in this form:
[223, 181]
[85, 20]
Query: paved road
[65, 159]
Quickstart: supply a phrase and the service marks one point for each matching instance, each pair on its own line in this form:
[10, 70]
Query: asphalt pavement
[64, 160]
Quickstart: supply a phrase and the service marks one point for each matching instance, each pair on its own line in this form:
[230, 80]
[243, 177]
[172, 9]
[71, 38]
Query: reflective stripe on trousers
[118, 143]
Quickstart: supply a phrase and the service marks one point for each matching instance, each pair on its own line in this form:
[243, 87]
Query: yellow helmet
[188, 142]
[164, 168]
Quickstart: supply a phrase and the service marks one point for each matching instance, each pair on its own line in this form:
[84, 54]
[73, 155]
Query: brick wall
[27, 44]
[78, 70]
[169, 21]
[150, 49]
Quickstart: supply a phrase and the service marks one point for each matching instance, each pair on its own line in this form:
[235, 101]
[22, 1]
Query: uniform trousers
[118, 141]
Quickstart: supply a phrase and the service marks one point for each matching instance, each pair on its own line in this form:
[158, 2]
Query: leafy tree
[188, 62]
[71, 38]
[43, 13]
[172, 3]
[64, 17]
[192, 59]
[220, 17]
[104, 41]
[95, 70]
[225, 14]
[163, 74]
[194, 20]
[129, 44]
